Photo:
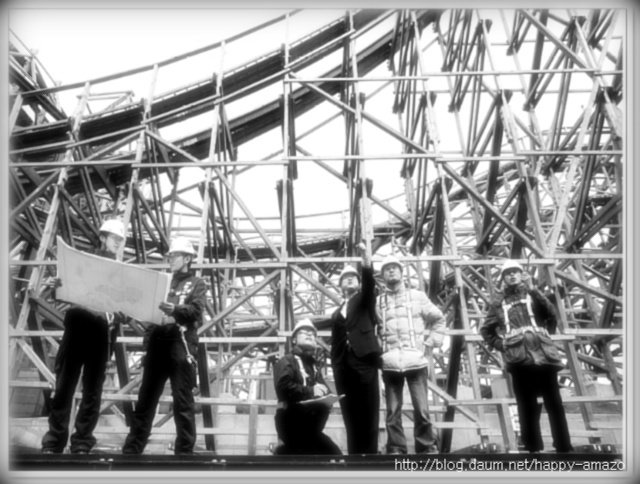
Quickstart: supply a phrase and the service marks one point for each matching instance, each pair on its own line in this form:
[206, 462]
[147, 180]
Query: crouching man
[297, 379]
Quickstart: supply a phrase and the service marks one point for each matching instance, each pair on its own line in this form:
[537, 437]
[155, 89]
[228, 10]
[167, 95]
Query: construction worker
[170, 354]
[355, 357]
[299, 423]
[518, 324]
[410, 327]
[86, 346]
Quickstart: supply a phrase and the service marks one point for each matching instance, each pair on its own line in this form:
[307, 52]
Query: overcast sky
[81, 44]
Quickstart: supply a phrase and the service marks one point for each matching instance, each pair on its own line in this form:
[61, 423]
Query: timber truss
[452, 138]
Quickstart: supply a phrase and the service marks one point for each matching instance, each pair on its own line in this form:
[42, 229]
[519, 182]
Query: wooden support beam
[239, 302]
[47, 235]
[455, 353]
[557, 42]
[455, 176]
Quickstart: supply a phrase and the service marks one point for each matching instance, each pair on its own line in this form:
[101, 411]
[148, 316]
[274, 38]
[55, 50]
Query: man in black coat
[518, 324]
[171, 354]
[300, 421]
[355, 355]
[86, 347]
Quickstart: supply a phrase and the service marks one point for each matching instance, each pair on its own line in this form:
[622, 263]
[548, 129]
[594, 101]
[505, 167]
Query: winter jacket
[188, 293]
[403, 348]
[524, 336]
[291, 384]
[299, 426]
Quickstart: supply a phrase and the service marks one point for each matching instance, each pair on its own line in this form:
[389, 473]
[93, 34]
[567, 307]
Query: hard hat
[390, 260]
[182, 245]
[510, 264]
[113, 226]
[303, 323]
[348, 270]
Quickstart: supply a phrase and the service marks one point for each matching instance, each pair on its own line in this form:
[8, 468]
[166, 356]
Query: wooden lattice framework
[502, 133]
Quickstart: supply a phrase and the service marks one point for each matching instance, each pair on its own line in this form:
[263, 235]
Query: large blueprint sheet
[107, 285]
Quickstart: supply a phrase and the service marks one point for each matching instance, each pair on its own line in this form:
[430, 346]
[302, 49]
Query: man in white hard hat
[86, 347]
[297, 379]
[518, 323]
[355, 357]
[410, 327]
[171, 354]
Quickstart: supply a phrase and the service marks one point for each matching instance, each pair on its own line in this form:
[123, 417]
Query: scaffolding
[452, 138]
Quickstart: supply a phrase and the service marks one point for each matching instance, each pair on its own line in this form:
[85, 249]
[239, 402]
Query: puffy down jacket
[405, 333]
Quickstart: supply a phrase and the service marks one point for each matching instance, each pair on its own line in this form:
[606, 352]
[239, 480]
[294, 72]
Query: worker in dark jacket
[171, 353]
[518, 324]
[299, 421]
[355, 357]
[86, 346]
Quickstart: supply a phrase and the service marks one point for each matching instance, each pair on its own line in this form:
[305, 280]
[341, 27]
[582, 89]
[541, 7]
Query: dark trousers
[166, 358]
[84, 349]
[425, 438]
[529, 382]
[300, 430]
[357, 379]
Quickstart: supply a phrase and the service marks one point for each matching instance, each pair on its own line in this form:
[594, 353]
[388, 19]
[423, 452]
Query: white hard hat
[303, 323]
[113, 226]
[183, 245]
[348, 270]
[390, 260]
[510, 264]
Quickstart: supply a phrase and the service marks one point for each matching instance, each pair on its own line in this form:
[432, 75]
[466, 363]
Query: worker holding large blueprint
[90, 327]
[107, 285]
[171, 348]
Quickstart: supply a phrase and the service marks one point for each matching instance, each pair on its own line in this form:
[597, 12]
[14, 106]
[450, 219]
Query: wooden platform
[576, 461]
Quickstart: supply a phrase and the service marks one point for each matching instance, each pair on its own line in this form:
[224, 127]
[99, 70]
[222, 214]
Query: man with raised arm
[355, 357]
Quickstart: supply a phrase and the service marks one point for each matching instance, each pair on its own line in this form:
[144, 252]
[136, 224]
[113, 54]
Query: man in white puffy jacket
[411, 325]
